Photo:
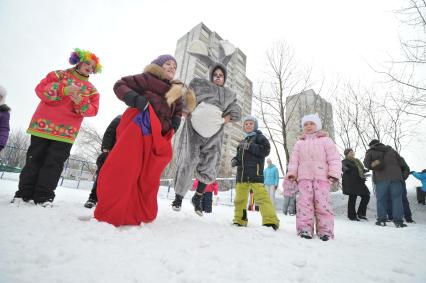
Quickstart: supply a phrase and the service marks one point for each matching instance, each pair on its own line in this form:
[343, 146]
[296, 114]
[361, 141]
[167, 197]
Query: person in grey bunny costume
[202, 133]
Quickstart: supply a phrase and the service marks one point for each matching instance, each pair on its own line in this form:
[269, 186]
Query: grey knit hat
[160, 60]
[251, 118]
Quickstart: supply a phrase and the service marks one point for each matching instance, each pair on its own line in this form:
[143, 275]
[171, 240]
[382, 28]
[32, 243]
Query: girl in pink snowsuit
[314, 164]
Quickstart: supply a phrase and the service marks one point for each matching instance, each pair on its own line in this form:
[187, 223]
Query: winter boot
[325, 238]
[381, 223]
[400, 225]
[90, 203]
[196, 202]
[274, 226]
[410, 220]
[47, 203]
[305, 235]
[363, 217]
[177, 203]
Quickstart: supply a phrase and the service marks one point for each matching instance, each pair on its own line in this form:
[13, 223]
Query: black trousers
[44, 164]
[362, 208]
[99, 163]
[207, 202]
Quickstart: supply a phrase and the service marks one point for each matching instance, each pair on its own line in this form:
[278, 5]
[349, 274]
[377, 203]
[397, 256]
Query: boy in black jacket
[250, 159]
[108, 142]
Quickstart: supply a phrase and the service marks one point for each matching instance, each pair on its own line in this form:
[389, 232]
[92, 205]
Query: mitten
[234, 162]
[176, 123]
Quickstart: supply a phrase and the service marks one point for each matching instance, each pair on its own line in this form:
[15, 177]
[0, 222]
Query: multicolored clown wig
[83, 55]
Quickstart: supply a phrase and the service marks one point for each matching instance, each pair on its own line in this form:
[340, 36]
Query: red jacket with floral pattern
[57, 117]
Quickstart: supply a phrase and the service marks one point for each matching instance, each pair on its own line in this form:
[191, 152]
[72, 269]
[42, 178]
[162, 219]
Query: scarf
[359, 166]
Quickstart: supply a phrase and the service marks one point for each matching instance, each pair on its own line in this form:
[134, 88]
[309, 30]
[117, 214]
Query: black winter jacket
[352, 183]
[109, 139]
[250, 158]
[392, 163]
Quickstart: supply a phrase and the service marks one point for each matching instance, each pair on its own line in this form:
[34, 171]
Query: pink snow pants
[314, 201]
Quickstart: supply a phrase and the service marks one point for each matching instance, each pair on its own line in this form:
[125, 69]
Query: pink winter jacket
[315, 157]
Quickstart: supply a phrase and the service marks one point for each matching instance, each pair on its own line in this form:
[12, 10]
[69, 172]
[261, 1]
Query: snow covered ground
[54, 245]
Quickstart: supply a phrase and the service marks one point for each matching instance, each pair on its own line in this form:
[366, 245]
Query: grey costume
[199, 153]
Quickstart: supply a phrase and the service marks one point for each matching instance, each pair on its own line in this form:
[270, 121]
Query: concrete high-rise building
[190, 67]
[299, 105]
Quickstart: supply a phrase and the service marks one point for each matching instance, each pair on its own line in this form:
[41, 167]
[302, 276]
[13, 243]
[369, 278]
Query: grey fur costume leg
[197, 153]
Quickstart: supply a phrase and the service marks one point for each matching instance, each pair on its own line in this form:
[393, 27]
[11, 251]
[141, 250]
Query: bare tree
[366, 114]
[286, 78]
[410, 69]
[14, 154]
[88, 143]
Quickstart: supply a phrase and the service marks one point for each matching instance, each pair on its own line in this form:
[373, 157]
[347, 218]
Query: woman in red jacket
[66, 97]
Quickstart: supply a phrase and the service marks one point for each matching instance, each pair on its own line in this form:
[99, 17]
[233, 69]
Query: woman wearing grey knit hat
[4, 118]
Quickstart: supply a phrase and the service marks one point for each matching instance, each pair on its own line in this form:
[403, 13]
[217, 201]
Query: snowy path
[53, 245]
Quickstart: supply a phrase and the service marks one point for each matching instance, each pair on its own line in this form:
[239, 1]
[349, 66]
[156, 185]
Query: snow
[58, 245]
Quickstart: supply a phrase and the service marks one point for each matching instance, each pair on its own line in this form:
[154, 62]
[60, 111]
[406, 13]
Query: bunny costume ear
[226, 50]
[199, 50]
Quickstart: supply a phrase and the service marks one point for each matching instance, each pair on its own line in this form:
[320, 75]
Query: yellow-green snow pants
[267, 210]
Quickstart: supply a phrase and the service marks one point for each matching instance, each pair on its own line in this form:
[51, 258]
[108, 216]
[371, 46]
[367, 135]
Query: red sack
[129, 180]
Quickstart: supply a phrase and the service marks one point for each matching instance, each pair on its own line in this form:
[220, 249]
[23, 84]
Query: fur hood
[319, 134]
[215, 66]
[177, 90]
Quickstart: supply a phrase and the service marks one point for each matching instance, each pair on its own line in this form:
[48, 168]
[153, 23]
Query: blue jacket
[421, 177]
[271, 175]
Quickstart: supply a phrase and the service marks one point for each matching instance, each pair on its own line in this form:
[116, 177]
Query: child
[130, 178]
[4, 118]
[289, 191]
[207, 200]
[314, 164]
[201, 138]
[66, 98]
[250, 159]
[108, 142]
[422, 177]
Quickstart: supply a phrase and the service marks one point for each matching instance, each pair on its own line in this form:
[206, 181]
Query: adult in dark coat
[353, 184]
[387, 176]
[405, 204]
[108, 142]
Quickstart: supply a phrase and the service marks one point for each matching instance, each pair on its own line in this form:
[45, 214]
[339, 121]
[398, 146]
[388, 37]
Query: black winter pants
[99, 163]
[362, 208]
[207, 202]
[44, 164]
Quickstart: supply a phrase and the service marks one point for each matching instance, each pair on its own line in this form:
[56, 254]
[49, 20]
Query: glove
[141, 103]
[176, 123]
[133, 99]
[411, 172]
[234, 162]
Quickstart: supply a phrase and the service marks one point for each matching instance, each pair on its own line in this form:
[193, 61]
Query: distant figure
[272, 177]
[207, 200]
[387, 177]
[353, 185]
[4, 118]
[290, 191]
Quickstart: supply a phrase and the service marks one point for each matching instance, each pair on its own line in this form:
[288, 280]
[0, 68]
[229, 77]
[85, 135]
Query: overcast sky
[337, 37]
